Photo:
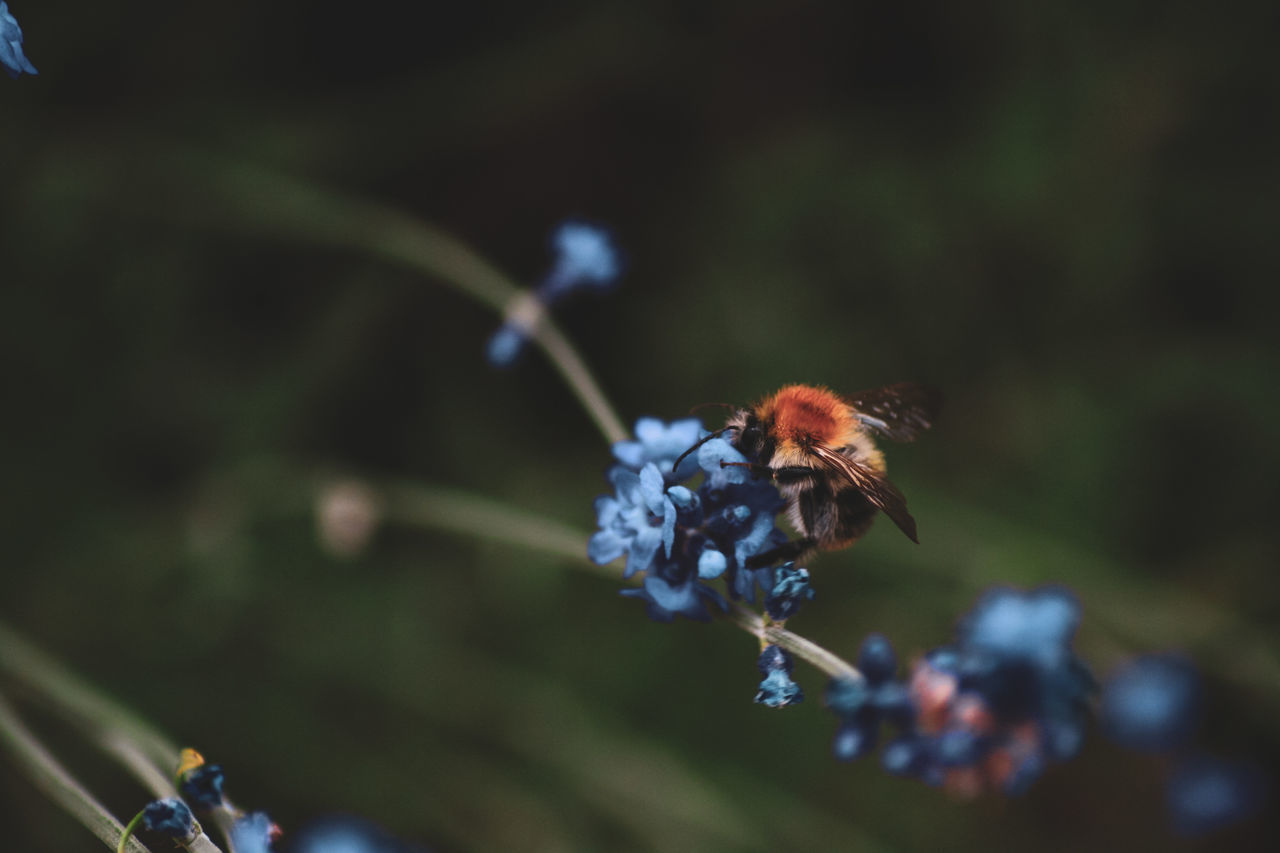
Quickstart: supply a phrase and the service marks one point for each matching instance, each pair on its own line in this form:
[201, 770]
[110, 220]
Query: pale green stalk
[277, 203]
[51, 777]
[459, 512]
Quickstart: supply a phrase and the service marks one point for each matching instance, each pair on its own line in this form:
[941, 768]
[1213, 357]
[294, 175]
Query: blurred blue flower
[986, 713]
[253, 834]
[202, 786]
[1205, 794]
[505, 346]
[1037, 626]
[169, 817]
[15, 62]
[347, 835]
[863, 704]
[585, 257]
[1151, 703]
[790, 589]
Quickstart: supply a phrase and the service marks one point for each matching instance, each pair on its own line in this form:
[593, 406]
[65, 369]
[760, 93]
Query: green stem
[458, 512]
[61, 787]
[127, 835]
[292, 208]
[132, 741]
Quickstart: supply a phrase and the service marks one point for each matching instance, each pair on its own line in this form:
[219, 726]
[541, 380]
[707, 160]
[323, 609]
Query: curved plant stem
[459, 512]
[52, 778]
[293, 208]
[132, 741]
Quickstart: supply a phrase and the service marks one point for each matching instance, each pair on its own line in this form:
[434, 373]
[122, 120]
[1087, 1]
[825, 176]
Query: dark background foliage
[1060, 213]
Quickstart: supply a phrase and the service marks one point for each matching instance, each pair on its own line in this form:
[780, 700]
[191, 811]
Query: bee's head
[750, 434]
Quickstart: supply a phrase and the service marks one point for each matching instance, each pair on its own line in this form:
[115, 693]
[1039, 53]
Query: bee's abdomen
[833, 519]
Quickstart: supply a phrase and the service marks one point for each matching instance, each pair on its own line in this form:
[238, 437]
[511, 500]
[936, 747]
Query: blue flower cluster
[15, 62]
[201, 785]
[1153, 704]
[863, 704]
[585, 260]
[988, 712]
[682, 536]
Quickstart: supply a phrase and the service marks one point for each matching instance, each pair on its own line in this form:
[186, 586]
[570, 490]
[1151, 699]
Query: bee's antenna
[701, 442]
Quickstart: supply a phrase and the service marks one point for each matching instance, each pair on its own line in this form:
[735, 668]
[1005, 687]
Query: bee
[819, 448]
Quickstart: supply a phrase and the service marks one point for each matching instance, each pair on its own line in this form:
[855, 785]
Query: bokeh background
[1060, 213]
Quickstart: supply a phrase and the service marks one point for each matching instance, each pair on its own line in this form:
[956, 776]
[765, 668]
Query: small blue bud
[854, 740]
[203, 786]
[505, 346]
[773, 659]
[711, 564]
[790, 589]
[778, 690]
[905, 756]
[169, 817]
[876, 658]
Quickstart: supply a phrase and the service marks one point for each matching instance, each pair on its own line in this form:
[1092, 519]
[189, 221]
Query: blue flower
[863, 704]
[790, 589]
[11, 56]
[585, 257]
[505, 346]
[1151, 703]
[636, 521]
[1205, 794]
[989, 712]
[203, 786]
[169, 817]
[253, 834]
[679, 536]
[1036, 626]
[777, 690]
[662, 444]
[346, 835]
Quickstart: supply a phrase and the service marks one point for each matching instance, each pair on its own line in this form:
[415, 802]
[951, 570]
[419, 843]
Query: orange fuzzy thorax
[802, 414]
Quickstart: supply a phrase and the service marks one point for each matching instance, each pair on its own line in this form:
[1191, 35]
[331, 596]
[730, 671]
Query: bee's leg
[783, 553]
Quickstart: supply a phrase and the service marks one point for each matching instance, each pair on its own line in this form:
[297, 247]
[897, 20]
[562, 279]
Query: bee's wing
[882, 494]
[901, 411]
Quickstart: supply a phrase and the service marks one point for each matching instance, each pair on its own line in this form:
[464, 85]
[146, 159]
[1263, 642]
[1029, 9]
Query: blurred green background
[1061, 214]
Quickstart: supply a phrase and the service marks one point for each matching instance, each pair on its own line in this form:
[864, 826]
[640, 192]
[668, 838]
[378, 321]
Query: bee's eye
[751, 436]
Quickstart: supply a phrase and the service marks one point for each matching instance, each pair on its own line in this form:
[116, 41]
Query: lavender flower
[170, 817]
[989, 712]
[1152, 703]
[682, 536]
[585, 259]
[253, 834]
[777, 690]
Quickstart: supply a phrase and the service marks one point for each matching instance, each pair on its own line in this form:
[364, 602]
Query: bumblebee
[819, 448]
